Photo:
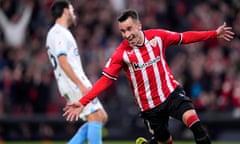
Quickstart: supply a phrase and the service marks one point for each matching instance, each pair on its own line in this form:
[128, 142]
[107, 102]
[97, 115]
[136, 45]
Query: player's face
[131, 31]
[72, 16]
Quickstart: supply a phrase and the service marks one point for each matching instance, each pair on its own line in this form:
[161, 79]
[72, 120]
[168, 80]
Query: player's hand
[72, 111]
[225, 32]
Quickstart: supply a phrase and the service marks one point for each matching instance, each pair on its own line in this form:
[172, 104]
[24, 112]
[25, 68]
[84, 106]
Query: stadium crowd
[209, 71]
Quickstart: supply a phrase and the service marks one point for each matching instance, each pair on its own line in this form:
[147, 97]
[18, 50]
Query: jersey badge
[130, 52]
[153, 42]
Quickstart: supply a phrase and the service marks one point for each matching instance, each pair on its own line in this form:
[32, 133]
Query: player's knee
[99, 116]
[104, 117]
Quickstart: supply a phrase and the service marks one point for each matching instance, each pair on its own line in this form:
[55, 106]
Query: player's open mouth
[131, 38]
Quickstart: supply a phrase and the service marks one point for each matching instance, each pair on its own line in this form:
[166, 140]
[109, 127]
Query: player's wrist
[82, 102]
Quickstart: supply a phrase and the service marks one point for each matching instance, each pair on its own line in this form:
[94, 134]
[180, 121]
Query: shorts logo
[181, 95]
[75, 51]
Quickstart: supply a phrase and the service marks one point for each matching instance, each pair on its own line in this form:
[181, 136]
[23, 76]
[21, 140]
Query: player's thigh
[93, 111]
[179, 104]
[104, 115]
[158, 128]
[97, 116]
[156, 121]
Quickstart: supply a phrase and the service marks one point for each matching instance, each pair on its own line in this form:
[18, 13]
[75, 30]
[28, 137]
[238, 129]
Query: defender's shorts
[73, 94]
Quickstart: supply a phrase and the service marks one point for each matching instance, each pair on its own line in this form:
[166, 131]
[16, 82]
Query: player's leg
[81, 136]
[94, 115]
[181, 108]
[73, 95]
[95, 124]
[91, 131]
[103, 114]
[96, 118]
[191, 120]
[156, 121]
[94, 134]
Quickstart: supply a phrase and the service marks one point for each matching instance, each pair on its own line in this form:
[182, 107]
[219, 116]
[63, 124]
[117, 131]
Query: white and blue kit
[60, 41]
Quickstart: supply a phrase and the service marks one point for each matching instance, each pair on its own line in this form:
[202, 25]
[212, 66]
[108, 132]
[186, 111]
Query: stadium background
[31, 108]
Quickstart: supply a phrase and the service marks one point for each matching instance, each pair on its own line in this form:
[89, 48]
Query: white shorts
[73, 94]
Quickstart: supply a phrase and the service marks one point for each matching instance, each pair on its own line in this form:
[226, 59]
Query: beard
[72, 21]
[133, 40]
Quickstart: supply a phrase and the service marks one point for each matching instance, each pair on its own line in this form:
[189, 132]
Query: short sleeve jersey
[60, 41]
[146, 68]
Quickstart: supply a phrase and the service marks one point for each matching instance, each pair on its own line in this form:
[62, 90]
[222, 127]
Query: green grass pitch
[110, 142]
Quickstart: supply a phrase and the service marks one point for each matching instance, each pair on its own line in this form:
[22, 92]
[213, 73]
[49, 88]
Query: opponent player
[158, 95]
[71, 79]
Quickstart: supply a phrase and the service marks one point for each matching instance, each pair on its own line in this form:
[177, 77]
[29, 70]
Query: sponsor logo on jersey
[138, 66]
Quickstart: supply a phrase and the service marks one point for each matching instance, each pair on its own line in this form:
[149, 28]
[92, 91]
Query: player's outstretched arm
[225, 32]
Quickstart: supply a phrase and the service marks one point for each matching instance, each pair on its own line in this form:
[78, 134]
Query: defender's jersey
[150, 78]
[60, 41]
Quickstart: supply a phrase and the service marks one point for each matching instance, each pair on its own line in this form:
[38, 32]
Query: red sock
[191, 120]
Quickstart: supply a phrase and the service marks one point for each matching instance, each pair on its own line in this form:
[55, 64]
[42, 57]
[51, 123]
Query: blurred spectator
[15, 27]
[198, 82]
[118, 5]
[1, 103]
[5, 86]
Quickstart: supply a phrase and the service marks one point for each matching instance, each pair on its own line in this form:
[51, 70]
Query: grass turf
[108, 142]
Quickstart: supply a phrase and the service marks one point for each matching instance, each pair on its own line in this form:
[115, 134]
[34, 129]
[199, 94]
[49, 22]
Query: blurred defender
[71, 79]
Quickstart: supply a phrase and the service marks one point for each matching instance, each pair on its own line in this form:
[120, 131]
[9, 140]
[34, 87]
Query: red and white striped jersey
[150, 77]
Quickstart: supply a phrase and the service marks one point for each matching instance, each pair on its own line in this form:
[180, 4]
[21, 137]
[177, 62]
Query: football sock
[191, 120]
[94, 134]
[81, 136]
[201, 137]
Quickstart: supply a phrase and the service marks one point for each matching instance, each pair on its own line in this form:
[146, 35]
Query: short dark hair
[128, 13]
[58, 7]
